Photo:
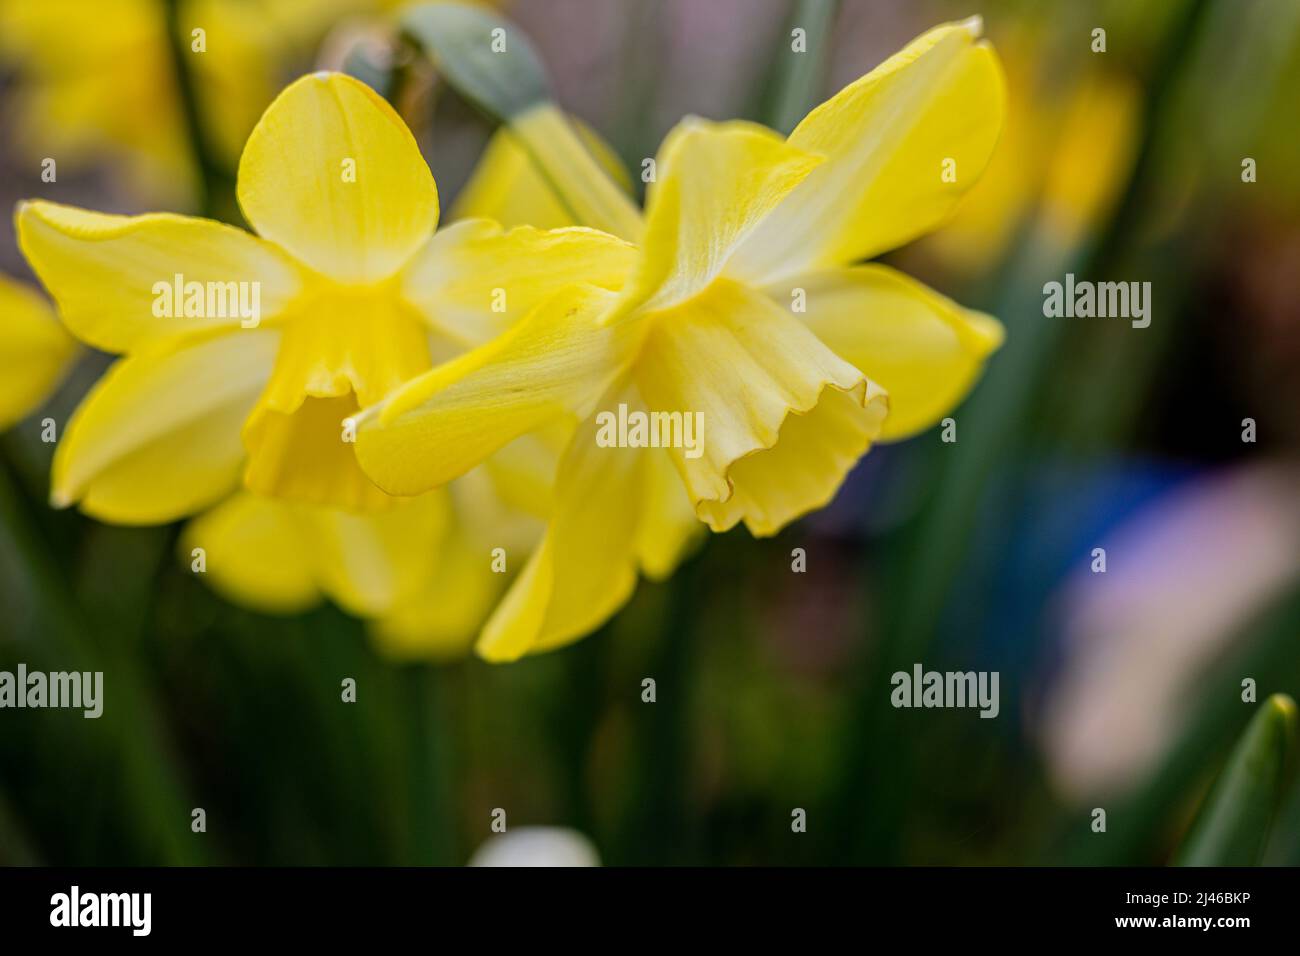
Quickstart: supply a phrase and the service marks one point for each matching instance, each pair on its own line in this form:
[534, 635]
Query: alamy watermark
[72, 689]
[948, 689]
[639, 429]
[75, 908]
[208, 300]
[1103, 300]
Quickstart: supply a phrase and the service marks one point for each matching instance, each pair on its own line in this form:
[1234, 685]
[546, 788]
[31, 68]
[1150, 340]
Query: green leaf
[1232, 826]
[796, 81]
[485, 57]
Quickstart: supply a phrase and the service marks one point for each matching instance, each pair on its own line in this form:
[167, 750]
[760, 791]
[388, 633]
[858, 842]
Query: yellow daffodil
[426, 572]
[356, 294]
[99, 78]
[745, 305]
[35, 352]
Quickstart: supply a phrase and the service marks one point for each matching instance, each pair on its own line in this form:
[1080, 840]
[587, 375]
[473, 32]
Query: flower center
[341, 350]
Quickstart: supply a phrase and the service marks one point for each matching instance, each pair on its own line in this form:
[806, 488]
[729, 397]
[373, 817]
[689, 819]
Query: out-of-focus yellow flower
[356, 295]
[252, 48]
[741, 227]
[255, 47]
[101, 78]
[35, 352]
[284, 557]
[425, 573]
[1092, 158]
[507, 188]
[98, 78]
[421, 572]
[1062, 158]
[446, 611]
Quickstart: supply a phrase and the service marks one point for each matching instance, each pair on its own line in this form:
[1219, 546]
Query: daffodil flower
[35, 352]
[426, 573]
[357, 294]
[421, 569]
[741, 227]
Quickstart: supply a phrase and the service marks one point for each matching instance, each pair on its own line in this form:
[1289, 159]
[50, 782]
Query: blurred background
[1120, 690]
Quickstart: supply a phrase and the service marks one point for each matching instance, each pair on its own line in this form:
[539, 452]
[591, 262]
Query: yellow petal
[332, 174]
[925, 350]
[585, 568]
[446, 613]
[781, 417]
[1091, 157]
[253, 554]
[669, 527]
[522, 473]
[443, 617]
[618, 511]
[283, 556]
[250, 49]
[114, 277]
[804, 469]
[715, 184]
[508, 187]
[35, 352]
[473, 281]
[886, 138]
[158, 437]
[370, 564]
[555, 362]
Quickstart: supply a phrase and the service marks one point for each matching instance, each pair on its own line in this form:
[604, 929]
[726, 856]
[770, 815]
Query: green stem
[216, 184]
[796, 83]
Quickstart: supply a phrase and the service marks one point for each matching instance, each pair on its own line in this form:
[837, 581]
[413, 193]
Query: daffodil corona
[745, 304]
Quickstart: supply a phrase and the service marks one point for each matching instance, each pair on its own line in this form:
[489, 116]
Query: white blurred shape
[536, 846]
